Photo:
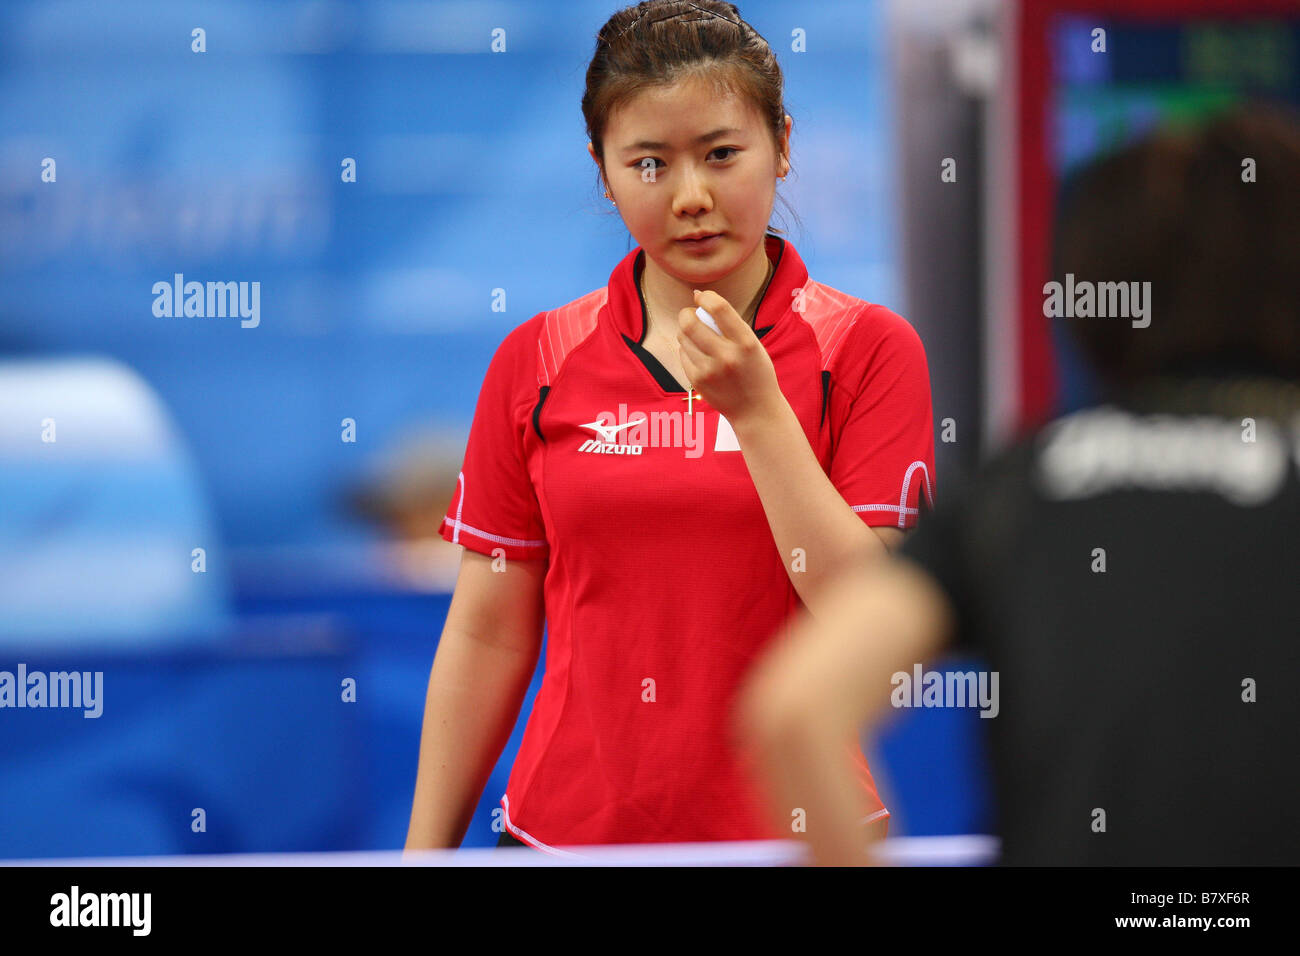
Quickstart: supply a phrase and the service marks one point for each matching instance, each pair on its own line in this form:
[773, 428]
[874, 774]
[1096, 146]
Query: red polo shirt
[664, 582]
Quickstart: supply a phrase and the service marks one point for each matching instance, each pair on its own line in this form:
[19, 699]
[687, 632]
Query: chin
[701, 278]
[710, 271]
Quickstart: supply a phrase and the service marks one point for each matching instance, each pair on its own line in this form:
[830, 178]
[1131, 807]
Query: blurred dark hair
[1222, 255]
[658, 42]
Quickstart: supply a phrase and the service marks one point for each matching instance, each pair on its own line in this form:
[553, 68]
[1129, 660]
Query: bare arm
[480, 675]
[804, 509]
[831, 679]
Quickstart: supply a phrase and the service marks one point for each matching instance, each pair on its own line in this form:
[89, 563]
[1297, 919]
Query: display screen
[1152, 71]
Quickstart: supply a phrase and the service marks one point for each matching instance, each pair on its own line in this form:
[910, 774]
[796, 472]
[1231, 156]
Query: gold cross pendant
[691, 394]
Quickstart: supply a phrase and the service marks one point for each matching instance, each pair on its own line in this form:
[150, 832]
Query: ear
[784, 164]
[596, 159]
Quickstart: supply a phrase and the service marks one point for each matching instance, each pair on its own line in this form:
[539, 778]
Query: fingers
[728, 319]
[688, 351]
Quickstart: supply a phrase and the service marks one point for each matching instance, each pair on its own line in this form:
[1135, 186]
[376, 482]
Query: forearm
[832, 679]
[474, 696]
[806, 769]
[799, 704]
[817, 533]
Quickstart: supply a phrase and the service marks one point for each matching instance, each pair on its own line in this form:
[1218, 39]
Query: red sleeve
[495, 504]
[883, 457]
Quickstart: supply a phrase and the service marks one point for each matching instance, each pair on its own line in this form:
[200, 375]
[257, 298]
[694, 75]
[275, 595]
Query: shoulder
[510, 371]
[548, 337]
[998, 504]
[858, 337]
[522, 339]
[883, 326]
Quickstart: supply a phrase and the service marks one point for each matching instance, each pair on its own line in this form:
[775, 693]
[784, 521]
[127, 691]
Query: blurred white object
[100, 512]
[707, 319]
[975, 61]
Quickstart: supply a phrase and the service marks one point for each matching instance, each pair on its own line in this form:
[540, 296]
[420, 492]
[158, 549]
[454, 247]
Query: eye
[653, 162]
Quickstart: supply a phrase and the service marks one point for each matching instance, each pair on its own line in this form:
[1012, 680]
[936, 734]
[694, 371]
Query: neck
[666, 295]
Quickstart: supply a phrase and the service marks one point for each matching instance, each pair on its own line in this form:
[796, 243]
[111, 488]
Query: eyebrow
[652, 144]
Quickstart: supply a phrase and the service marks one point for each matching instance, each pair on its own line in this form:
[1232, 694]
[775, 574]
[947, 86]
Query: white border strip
[458, 526]
[528, 837]
[901, 508]
[963, 850]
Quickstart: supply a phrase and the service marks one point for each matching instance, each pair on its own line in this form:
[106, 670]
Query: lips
[696, 237]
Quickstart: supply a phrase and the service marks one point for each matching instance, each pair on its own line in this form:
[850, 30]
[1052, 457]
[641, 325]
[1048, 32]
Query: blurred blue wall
[472, 175]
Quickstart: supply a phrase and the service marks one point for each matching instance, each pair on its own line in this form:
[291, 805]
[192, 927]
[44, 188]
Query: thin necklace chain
[771, 271]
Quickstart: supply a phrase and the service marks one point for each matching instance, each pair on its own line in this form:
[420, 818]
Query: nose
[692, 195]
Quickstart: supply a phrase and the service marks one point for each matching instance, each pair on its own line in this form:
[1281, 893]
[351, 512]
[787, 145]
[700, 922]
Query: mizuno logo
[675, 428]
[609, 432]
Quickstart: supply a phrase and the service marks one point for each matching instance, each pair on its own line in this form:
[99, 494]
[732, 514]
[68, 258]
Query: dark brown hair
[658, 42]
[1222, 254]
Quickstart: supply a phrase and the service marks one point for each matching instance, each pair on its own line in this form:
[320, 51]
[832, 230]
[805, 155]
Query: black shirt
[1122, 690]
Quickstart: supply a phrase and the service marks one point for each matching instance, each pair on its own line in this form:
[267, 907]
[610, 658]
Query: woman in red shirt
[662, 495]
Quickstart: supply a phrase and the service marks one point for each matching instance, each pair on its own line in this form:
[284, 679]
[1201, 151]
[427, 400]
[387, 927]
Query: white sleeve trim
[901, 508]
[457, 526]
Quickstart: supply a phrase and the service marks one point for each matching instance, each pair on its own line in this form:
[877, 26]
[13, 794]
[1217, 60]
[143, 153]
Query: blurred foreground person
[1129, 571]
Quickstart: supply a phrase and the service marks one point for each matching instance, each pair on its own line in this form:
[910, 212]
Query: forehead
[676, 113]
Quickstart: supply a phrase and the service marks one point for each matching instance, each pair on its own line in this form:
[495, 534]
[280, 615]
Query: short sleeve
[495, 504]
[883, 457]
